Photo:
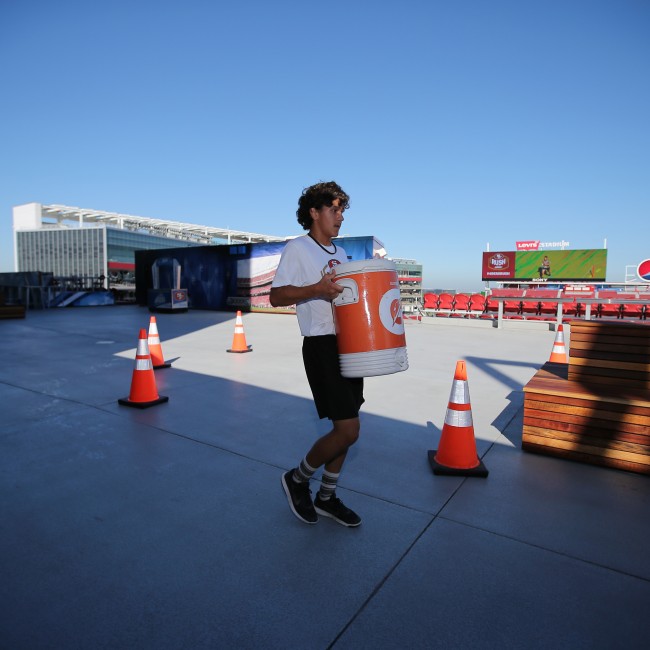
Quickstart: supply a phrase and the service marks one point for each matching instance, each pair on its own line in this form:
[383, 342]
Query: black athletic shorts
[336, 397]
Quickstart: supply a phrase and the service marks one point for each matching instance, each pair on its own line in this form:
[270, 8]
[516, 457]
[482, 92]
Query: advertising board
[586, 265]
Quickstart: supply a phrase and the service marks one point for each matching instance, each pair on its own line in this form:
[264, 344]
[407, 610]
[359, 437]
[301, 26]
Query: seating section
[646, 308]
[607, 309]
[511, 308]
[537, 305]
[540, 304]
[632, 310]
[571, 310]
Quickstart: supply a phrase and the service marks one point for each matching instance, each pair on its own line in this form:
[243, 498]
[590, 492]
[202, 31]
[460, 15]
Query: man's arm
[325, 289]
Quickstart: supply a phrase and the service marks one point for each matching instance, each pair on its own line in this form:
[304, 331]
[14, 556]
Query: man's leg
[331, 449]
[334, 446]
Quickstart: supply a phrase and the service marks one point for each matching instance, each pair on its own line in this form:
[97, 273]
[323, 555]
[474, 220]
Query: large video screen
[571, 265]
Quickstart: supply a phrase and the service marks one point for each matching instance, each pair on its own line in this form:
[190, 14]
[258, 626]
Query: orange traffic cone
[239, 339]
[558, 353]
[456, 454]
[155, 349]
[143, 383]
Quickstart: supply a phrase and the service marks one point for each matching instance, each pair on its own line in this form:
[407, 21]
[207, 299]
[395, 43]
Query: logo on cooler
[390, 312]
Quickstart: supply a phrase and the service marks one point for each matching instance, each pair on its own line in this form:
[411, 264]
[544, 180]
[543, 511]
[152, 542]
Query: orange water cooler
[368, 318]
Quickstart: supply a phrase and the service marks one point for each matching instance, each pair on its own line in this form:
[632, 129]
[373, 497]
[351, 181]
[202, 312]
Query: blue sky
[450, 124]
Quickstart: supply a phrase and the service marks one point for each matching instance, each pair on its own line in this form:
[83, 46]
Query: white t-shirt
[305, 262]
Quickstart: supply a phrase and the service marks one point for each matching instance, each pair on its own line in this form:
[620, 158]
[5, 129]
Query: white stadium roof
[64, 216]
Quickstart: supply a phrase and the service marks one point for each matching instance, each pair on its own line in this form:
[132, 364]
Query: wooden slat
[611, 381]
[537, 437]
[604, 447]
[593, 393]
[596, 369]
[632, 370]
[578, 353]
[579, 408]
[12, 311]
[588, 425]
[625, 339]
[594, 327]
[611, 463]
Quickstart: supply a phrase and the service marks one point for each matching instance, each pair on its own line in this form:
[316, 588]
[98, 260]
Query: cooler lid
[365, 266]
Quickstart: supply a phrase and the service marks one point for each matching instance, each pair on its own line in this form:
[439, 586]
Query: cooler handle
[349, 295]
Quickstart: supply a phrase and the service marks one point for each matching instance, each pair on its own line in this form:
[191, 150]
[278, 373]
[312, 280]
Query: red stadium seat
[571, 310]
[461, 305]
[530, 308]
[547, 307]
[491, 309]
[631, 310]
[430, 301]
[605, 309]
[511, 308]
[646, 308]
[477, 303]
[445, 304]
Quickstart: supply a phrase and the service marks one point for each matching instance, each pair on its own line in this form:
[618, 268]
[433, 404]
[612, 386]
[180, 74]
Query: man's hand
[327, 288]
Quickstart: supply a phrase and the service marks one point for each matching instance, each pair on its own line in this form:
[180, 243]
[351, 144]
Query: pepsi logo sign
[643, 270]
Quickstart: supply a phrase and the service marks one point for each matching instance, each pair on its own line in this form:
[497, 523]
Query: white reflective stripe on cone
[459, 392]
[458, 418]
[143, 364]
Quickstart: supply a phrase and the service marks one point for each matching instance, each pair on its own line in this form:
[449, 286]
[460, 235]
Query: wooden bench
[12, 311]
[596, 409]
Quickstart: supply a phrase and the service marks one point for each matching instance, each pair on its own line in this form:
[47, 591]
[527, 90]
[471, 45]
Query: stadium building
[409, 273]
[87, 248]
[66, 256]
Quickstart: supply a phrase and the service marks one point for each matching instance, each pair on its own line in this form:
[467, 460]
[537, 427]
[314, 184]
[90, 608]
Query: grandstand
[557, 303]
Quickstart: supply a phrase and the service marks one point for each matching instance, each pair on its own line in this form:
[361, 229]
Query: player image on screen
[545, 268]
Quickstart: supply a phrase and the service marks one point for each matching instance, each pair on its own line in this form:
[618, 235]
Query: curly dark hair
[316, 196]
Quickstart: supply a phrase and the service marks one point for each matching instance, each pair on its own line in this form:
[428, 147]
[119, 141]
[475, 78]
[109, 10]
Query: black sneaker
[299, 496]
[335, 509]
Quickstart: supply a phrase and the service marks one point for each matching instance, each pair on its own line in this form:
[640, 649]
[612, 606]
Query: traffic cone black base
[162, 365]
[125, 401]
[249, 348]
[442, 470]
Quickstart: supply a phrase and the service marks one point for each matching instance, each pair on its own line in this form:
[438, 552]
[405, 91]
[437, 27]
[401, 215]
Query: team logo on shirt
[390, 312]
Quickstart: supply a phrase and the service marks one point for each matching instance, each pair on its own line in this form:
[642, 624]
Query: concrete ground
[168, 527]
